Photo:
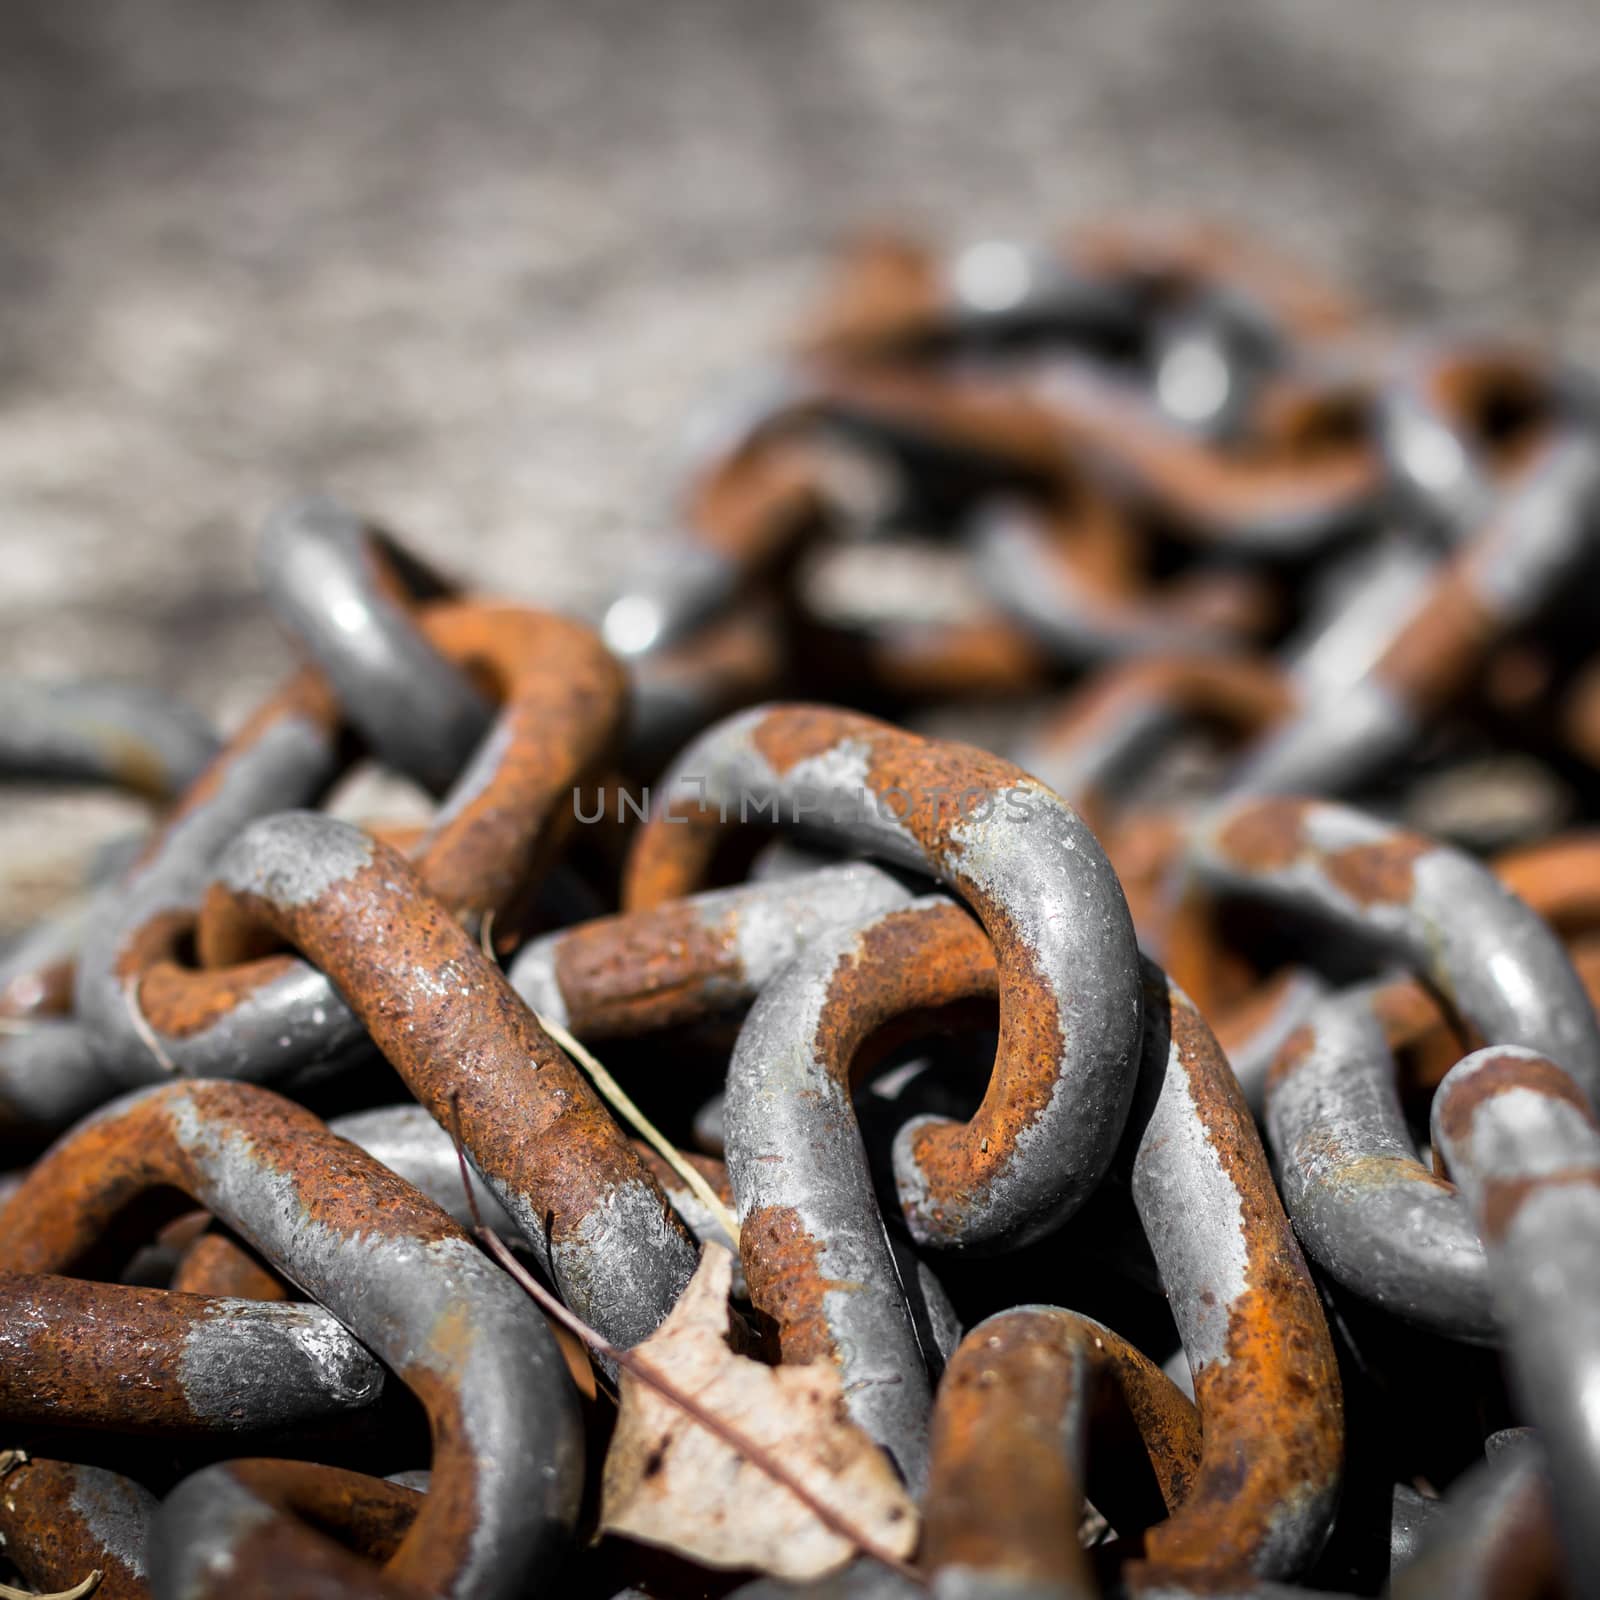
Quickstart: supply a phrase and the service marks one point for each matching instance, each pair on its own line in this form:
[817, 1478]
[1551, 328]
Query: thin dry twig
[622, 1103]
[76, 1592]
[141, 1026]
[646, 1372]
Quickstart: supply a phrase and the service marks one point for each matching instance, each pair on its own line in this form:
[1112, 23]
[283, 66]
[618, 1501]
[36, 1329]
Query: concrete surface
[469, 264]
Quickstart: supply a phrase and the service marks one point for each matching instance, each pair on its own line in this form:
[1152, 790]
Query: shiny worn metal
[103, 733]
[1520, 1139]
[386, 1262]
[1265, 1377]
[1493, 1538]
[469, 1049]
[347, 594]
[1036, 879]
[815, 1253]
[1363, 1204]
[1403, 897]
[105, 1355]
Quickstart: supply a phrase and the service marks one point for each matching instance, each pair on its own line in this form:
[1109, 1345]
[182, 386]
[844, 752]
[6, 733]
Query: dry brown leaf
[669, 1481]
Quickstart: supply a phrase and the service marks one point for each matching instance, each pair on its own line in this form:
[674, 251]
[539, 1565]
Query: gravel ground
[468, 265]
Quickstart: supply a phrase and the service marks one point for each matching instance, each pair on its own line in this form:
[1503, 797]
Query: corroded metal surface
[1521, 1141]
[1035, 1403]
[363, 1244]
[470, 1050]
[815, 1254]
[102, 1355]
[1036, 879]
[1262, 542]
[60, 1521]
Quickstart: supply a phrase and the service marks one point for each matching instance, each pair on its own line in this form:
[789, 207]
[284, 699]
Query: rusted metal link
[1312, 479]
[269, 1017]
[1034, 567]
[1098, 742]
[104, 1355]
[240, 1529]
[1012, 1453]
[911, 619]
[813, 1245]
[468, 1047]
[1496, 967]
[1559, 879]
[60, 1521]
[1520, 1139]
[411, 1144]
[691, 959]
[1265, 1377]
[347, 594]
[1034, 876]
[1535, 540]
[387, 1263]
[285, 755]
[216, 1263]
[1455, 420]
[1364, 1206]
[103, 733]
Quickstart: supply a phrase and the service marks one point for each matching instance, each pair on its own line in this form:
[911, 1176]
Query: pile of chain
[1176, 1101]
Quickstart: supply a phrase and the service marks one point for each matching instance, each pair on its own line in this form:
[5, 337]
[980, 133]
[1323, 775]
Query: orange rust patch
[368, 1514]
[1292, 1055]
[1560, 880]
[790, 734]
[1003, 1494]
[49, 1539]
[179, 1001]
[1272, 1412]
[1499, 1074]
[1503, 1198]
[907, 961]
[1437, 652]
[1378, 874]
[217, 1264]
[755, 502]
[1266, 837]
[782, 1265]
[990, 655]
[887, 290]
[644, 970]
[563, 700]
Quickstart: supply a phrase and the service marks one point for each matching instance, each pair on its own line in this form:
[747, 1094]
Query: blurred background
[469, 265]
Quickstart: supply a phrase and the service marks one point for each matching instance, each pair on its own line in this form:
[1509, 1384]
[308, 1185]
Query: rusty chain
[1264, 1252]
